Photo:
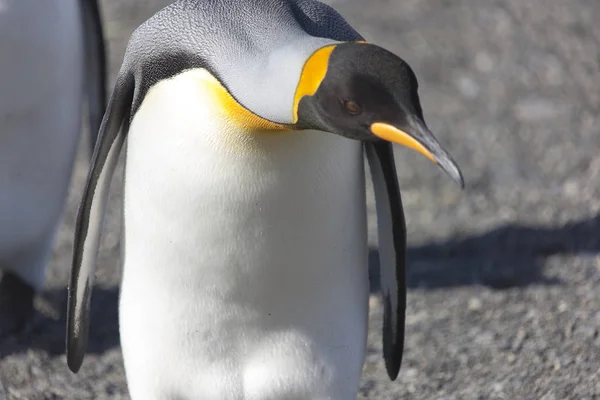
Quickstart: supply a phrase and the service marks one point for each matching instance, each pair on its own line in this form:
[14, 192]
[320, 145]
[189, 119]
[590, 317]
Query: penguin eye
[351, 107]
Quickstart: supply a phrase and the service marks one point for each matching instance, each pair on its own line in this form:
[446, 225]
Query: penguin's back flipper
[391, 228]
[95, 66]
[90, 217]
[319, 19]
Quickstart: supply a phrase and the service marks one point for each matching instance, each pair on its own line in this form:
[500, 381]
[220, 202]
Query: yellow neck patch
[234, 111]
[312, 75]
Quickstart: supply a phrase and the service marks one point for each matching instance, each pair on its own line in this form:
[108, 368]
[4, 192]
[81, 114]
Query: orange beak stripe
[395, 135]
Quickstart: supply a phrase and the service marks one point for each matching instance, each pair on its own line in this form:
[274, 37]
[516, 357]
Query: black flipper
[91, 214]
[95, 66]
[391, 228]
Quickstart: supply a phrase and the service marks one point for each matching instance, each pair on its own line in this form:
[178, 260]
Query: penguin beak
[418, 137]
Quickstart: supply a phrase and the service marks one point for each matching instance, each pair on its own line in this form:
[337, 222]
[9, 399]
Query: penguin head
[364, 92]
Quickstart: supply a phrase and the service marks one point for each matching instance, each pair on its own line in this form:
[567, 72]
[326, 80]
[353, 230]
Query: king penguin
[52, 59]
[244, 252]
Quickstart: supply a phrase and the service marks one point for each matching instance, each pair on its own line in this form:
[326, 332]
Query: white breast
[245, 267]
[41, 69]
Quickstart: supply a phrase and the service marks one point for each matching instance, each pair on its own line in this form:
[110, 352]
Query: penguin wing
[90, 217]
[95, 66]
[319, 19]
[391, 228]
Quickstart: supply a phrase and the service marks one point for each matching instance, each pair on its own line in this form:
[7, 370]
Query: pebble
[475, 304]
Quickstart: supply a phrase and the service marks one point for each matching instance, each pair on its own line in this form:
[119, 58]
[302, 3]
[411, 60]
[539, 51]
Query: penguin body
[42, 85]
[245, 242]
[259, 235]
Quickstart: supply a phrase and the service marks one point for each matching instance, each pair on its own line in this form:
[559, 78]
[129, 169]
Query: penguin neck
[267, 85]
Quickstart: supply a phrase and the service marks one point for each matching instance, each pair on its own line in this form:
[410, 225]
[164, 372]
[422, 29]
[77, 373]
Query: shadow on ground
[510, 256]
[48, 332]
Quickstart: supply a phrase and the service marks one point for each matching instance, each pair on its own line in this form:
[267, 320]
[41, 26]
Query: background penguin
[245, 242]
[52, 54]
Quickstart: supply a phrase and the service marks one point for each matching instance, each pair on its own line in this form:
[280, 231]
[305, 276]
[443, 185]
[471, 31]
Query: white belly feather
[245, 266]
[41, 76]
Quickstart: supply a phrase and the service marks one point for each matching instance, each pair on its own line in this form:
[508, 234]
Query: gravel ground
[504, 277]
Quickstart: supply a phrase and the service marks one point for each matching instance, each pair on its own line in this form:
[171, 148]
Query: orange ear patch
[312, 75]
